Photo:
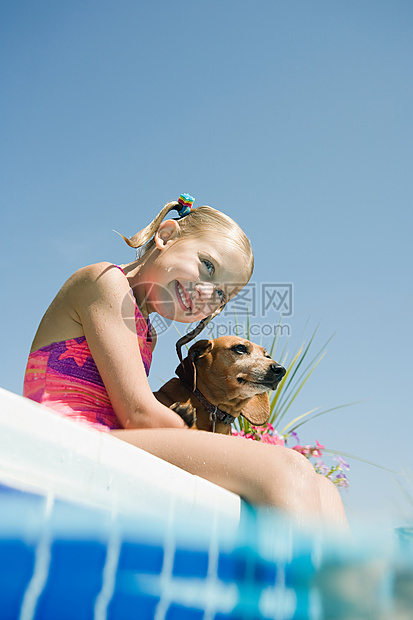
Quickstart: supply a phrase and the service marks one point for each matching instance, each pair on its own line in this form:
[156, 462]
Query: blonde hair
[201, 221]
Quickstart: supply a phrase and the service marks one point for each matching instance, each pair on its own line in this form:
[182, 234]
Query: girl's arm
[103, 302]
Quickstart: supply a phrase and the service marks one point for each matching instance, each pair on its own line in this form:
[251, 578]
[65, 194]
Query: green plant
[281, 431]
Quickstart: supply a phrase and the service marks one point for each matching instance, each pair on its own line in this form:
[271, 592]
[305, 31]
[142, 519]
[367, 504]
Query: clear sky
[295, 118]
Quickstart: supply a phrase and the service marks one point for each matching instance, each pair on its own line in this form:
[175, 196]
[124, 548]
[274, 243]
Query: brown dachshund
[222, 379]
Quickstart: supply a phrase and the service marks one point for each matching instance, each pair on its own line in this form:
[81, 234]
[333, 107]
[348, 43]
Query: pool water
[61, 560]
[92, 528]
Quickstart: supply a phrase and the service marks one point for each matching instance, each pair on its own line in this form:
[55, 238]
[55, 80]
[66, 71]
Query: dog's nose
[278, 370]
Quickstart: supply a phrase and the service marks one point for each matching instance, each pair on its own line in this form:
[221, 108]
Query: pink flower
[258, 431]
[316, 453]
[78, 351]
[305, 450]
[273, 439]
[235, 433]
[268, 434]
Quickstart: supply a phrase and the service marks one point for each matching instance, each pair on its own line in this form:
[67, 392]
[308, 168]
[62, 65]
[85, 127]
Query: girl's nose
[205, 290]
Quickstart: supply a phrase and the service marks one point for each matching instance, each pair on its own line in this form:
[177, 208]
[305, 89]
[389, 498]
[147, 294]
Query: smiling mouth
[183, 298]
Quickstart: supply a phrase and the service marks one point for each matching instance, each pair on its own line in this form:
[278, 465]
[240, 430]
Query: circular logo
[131, 312]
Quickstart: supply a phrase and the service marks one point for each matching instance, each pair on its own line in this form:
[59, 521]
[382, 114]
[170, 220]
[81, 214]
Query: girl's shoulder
[99, 278]
[98, 270]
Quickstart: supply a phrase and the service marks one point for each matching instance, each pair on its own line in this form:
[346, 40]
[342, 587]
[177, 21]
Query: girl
[89, 361]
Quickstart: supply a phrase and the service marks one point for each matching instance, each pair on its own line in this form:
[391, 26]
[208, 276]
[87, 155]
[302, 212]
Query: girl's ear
[168, 230]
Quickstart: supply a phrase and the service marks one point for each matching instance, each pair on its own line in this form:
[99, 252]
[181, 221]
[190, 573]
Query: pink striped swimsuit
[64, 377]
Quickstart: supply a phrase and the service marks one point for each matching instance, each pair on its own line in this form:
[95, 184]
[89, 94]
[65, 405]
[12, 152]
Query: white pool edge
[43, 452]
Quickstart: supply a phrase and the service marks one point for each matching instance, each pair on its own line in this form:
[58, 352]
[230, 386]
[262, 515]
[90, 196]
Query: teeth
[181, 294]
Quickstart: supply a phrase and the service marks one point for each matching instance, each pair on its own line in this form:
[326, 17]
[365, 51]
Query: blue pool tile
[190, 563]
[178, 612]
[232, 566]
[16, 569]
[74, 580]
[300, 570]
[237, 615]
[265, 573]
[246, 565]
[141, 558]
[132, 606]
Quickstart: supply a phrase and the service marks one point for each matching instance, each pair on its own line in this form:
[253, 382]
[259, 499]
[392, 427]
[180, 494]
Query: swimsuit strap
[148, 323]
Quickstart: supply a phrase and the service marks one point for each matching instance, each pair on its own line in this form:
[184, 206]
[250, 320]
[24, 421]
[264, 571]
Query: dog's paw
[186, 411]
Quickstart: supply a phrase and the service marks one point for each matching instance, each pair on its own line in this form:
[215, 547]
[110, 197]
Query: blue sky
[292, 117]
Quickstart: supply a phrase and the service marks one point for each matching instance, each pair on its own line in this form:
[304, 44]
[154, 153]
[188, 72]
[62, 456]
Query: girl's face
[188, 279]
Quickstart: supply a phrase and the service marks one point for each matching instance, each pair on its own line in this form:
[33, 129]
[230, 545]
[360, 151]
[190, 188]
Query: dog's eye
[239, 348]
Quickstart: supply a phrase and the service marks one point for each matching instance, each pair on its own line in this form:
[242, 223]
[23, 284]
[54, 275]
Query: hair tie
[186, 201]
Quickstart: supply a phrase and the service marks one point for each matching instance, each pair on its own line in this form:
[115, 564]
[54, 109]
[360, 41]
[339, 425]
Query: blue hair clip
[186, 201]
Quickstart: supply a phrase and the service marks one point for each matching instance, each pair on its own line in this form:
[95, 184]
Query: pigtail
[146, 234]
[197, 330]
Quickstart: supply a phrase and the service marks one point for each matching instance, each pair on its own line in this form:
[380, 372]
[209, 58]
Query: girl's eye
[208, 265]
[211, 270]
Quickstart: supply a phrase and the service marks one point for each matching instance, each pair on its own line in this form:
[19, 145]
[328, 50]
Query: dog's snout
[278, 370]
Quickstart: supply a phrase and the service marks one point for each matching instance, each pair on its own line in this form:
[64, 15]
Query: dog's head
[233, 371]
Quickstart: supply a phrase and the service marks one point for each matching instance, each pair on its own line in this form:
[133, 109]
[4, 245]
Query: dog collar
[186, 374]
[214, 412]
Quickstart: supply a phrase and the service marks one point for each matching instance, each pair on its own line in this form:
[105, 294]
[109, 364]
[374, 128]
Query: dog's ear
[186, 371]
[199, 349]
[257, 410]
